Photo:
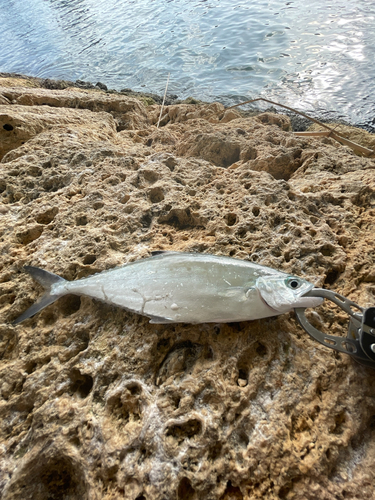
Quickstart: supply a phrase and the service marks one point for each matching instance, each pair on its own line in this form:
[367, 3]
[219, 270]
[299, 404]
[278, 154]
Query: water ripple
[319, 56]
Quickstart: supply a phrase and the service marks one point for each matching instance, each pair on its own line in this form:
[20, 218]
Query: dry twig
[331, 133]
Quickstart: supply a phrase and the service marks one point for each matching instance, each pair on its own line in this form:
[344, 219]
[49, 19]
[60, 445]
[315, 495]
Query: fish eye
[293, 283]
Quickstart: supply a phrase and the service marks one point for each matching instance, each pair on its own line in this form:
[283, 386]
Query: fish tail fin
[46, 279]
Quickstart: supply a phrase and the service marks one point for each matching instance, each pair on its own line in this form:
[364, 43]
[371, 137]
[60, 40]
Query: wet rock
[98, 403]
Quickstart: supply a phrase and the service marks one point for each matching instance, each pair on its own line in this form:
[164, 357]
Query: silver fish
[177, 287]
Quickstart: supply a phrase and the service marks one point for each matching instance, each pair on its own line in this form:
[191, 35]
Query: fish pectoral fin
[159, 320]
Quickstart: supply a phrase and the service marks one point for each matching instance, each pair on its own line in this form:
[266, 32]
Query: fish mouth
[309, 299]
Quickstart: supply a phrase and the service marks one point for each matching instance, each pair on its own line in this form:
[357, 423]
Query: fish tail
[46, 279]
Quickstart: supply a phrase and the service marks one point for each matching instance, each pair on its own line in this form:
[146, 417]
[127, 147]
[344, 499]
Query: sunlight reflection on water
[319, 56]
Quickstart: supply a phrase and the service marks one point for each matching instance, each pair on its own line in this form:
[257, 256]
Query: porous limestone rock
[96, 403]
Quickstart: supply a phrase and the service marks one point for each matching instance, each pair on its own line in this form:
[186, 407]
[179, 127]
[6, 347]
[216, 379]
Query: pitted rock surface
[96, 403]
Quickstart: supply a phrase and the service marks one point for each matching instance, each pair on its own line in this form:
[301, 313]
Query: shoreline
[299, 123]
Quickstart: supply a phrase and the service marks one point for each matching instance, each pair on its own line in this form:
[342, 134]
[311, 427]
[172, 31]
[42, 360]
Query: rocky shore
[96, 403]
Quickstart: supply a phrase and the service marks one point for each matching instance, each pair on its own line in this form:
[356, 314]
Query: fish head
[284, 293]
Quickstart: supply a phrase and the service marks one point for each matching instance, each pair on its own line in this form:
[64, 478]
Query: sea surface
[316, 56]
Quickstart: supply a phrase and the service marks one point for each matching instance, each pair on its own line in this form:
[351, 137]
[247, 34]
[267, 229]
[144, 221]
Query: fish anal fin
[161, 252]
[159, 320]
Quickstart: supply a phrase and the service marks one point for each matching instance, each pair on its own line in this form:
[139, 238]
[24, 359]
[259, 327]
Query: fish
[180, 287]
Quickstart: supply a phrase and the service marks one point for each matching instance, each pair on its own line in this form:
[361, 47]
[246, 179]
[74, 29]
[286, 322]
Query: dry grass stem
[162, 105]
[331, 133]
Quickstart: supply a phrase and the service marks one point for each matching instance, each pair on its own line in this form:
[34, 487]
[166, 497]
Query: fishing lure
[177, 287]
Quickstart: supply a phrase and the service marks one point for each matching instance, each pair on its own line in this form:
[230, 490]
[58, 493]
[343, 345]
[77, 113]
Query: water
[318, 58]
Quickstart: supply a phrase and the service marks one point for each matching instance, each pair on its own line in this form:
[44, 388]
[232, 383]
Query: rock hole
[150, 176]
[118, 409]
[35, 171]
[124, 407]
[54, 183]
[180, 218]
[30, 235]
[215, 451]
[340, 420]
[284, 490]
[176, 399]
[75, 441]
[30, 367]
[327, 250]
[156, 195]
[143, 455]
[314, 413]
[89, 259]
[231, 219]
[59, 479]
[47, 216]
[7, 298]
[241, 233]
[242, 377]
[163, 343]
[124, 199]
[256, 211]
[331, 277]
[261, 350]
[81, 384]
[113, 180]
[277, 221]
[82, 338]
[69, 304]
[185, 490]
[49, 318]
[8, 127]
[186, 430]
[170, 162]
[232, 493]
[81, 220]
[243, 439]
[49, 478]
[146, 220]
[178, 361]
[134, 389]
